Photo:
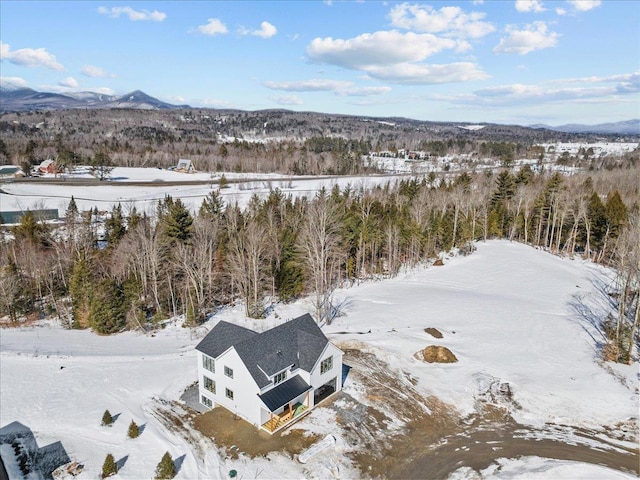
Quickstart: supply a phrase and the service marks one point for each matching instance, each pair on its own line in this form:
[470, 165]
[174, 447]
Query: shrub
[165, 470]
[134, 430]
[109, 466]
[107, 419]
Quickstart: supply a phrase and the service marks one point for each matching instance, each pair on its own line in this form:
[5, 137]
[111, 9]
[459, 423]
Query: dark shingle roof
[284, 393]
[223, 336]
[299, 342]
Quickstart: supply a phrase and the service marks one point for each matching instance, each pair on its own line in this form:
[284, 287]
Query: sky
[508, 61]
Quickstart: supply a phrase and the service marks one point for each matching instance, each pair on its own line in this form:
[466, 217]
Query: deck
[279, 421]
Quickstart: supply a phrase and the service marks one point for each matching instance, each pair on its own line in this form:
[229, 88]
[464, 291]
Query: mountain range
[20, 99]
[626, 127]
[14, 99]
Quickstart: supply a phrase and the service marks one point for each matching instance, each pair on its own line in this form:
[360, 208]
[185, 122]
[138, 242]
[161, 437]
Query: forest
[180, 262]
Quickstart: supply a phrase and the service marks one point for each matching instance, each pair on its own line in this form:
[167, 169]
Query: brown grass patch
[436, 354]
[236, 435]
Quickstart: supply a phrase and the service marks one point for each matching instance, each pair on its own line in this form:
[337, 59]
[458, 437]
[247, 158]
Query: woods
[180, 262]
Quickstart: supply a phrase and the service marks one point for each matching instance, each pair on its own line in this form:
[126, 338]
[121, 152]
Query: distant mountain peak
[14, 98]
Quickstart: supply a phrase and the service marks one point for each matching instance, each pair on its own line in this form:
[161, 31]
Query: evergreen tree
[166, 469]
[109, 467]
[212, 205]
[72, 209]
[80, 289]
[107, 419]
[108, 307]
[114, 226]
[31, 230]
[616, 213]
[134, 430]
[175, 220]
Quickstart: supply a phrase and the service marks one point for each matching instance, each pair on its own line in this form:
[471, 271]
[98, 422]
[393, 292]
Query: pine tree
[107, 419]
[165, 470]
[114, 226]
[108, 308]
[109, 467]
[80, 288]
[134, 430]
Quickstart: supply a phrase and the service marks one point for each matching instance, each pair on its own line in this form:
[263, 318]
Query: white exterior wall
[202, 372]
[318, 379]
[245, 403]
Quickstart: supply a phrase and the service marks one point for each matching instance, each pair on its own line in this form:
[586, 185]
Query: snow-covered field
[25, 196]
[508, 312]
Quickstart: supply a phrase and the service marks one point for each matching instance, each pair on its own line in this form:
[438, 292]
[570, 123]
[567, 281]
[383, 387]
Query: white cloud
[213, 27]
[529, 6]
[339, 87]
[561, 11]
[68, 82]
[394, 57]
[313, 85]
[30, 57]
[448, 21]
[364, 91]
[379, 48]
[609, 89]
[266, 30]
[535, 36]
[584, 5]
[103, 90]
[134, 15]
[425, 74]
[95, 72]
[13, 82]
[287, 100]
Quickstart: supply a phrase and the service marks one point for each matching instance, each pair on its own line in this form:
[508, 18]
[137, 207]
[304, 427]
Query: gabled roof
[223, 336]
[298, 343]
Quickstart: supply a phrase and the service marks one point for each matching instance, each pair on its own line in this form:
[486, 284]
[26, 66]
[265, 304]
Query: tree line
[178, 262]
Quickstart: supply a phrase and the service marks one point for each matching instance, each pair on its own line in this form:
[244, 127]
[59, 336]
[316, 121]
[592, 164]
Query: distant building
[10, 171]
[47, 166]
[185, 166]
[13, 217]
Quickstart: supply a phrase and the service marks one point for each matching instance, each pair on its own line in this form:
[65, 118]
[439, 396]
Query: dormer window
[281, 377]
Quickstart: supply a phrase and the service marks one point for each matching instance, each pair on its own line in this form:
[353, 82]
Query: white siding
[318, 379]
[245, 401]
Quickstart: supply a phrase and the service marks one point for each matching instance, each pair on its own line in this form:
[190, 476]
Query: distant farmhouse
[10, 171]
[13, 217]
[269, 378]
[185, 166]
[47, 166]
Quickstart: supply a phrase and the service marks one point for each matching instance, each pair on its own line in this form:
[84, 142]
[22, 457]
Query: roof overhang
[284, 393]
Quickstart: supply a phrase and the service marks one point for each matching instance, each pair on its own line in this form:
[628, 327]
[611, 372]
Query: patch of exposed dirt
[392, 430]
[239, 436]
[434, 332]
[436, 354]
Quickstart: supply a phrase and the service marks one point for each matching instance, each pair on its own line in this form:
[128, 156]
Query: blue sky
[508, 61]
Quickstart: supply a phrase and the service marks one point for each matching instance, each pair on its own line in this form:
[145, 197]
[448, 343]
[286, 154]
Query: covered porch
[285, 403]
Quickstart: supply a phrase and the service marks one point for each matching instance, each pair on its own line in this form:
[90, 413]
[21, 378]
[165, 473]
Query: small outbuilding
[10, 171]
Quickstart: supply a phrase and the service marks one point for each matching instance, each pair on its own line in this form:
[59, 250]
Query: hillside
[562, 395]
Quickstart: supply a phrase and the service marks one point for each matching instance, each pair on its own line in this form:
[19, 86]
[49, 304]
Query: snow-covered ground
[508, 312]
[25, 196]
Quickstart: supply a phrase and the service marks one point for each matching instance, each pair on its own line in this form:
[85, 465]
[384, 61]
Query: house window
[279, 377]
[228, 372]
[326, 365]
[206, 402]
[210, 385]
[209, 363]
[229, 393]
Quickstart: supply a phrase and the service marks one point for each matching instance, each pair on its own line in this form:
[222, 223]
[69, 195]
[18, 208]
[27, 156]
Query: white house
[268, 378]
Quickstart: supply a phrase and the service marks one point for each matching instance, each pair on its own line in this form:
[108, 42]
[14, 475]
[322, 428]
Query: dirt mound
[438, 263]
[436, 354]
[434, 332]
